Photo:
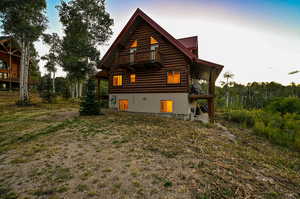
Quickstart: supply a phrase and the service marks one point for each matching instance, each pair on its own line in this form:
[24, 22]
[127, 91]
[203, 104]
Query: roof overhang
[202, 69]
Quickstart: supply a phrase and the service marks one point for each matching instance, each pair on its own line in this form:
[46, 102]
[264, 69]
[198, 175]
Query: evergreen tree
[89, 104]
[45, 89]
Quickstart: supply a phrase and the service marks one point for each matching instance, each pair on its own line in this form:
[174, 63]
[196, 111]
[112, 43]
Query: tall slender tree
[25, 21]
[52, 58]
[87, 26]
[227, 75]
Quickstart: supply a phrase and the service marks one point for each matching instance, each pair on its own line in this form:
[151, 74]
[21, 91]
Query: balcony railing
[199, 91]
[4, 77]
[149, 57]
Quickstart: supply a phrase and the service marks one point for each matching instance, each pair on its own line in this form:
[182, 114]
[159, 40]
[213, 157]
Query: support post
[98, 89]
[211, 91]
[10, 69]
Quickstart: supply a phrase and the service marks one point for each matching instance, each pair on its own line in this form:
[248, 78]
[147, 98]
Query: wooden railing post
[211, 92]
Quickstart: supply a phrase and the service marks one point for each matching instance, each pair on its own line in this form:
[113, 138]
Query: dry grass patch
[51, 152]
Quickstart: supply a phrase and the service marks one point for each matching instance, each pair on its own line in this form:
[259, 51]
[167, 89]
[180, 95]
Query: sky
[256, 40]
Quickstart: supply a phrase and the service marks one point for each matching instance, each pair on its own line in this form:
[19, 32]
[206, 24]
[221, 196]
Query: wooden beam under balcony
[200, 96]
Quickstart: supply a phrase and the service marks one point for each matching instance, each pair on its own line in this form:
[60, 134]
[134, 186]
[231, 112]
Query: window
[3, 65]
[153, 41]
[134, 44]
[153, 46]
[132, 78]
[133, 49]
[123, 105]
[166, 106]
[173, 77]
[117, 80]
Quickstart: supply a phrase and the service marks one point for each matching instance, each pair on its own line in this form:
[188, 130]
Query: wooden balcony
[195, 94]
[149, 58]
[5, 76]
[2, 79]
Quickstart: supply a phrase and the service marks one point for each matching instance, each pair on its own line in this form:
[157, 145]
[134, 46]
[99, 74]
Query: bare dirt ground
[48, 151]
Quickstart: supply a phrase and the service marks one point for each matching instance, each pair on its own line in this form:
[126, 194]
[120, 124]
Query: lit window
[132, 78]
[166, 106]
[123, 105]
[173, 77]
[5, 75]
[1, 75]
[117, 80]
[133, 48]
[153, 41]
[153, 48]
[134, 44]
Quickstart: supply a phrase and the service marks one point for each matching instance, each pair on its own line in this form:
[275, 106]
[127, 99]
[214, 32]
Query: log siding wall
[152, 80]
[15, 64]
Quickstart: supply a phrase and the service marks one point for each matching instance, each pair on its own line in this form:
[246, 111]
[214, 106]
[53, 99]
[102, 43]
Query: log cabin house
[150, 71]
[9, 63]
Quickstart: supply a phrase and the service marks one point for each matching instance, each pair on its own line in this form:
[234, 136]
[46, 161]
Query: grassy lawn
[48, 151]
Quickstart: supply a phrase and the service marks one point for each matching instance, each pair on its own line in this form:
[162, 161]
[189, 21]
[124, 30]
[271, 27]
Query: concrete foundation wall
[150, 102]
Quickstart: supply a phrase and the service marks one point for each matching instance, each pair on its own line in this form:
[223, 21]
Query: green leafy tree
[52, 58]
[25, 21]
[227, 75]
[87, 26]
[34, 69]
[89, 104]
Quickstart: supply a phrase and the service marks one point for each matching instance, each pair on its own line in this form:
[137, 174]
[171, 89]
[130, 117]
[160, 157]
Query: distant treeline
[253, 95]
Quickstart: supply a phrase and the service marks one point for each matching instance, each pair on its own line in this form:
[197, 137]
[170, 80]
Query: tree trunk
[80, 89]
[24, 96]
[76, 89]
[53, 83]
[72, 91]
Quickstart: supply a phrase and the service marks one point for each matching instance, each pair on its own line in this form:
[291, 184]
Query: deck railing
[139, 57]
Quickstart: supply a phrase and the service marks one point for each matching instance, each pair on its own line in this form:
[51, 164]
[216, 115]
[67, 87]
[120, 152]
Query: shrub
[243, 117]
[285, 105]
[280, 129]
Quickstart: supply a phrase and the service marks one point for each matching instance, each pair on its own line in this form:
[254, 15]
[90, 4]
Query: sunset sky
[257, 40]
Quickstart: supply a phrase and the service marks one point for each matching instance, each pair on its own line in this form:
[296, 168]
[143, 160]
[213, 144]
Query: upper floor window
[153, 46]
[173, 77]
[153, 41]
[134, 44]
[132, 78]
[117, 80]
[133, 48]
[3, 65]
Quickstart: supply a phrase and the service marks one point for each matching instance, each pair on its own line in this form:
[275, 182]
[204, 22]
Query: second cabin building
[150, 71]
